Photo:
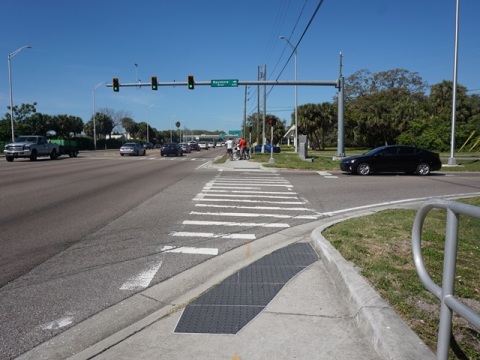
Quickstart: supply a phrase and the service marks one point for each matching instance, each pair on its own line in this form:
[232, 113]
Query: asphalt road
[81, 234]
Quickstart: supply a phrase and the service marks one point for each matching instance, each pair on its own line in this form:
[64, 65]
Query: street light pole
[10, 56]
[296, 93]
[94, 117]
[451, 159]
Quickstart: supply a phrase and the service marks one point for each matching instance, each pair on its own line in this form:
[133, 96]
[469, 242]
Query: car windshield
[26, 139]
[129, 145]
[374, 151]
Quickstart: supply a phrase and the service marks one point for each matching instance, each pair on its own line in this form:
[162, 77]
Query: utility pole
[264, 108]
[341, 124]
[245, 114]
[258, 106]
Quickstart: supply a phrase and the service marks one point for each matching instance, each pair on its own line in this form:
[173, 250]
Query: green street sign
[224, 83]
[235, 132]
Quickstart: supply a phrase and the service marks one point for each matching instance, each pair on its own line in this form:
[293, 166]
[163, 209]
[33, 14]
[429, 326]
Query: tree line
[388, 107]
[108, 122]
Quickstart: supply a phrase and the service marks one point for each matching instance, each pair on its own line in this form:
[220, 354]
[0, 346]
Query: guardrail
[445, 293]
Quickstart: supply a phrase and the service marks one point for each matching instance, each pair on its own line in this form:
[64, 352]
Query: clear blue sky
[79, 44]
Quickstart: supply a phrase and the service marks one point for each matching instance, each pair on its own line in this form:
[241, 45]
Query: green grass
[323, 160]
[385, 259]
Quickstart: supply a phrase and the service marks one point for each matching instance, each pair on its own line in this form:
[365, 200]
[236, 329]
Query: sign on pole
[224, 83]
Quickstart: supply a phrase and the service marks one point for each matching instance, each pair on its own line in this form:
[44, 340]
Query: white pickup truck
[31, 146]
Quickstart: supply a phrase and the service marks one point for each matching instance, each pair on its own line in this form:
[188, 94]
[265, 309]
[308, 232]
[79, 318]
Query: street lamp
[94, 117]
[296, 93]
[10, 56]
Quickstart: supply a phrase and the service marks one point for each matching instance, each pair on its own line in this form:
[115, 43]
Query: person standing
[229, 145]
[243, 145]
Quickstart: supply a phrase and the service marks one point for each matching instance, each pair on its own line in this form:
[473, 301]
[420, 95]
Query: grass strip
[380, 247]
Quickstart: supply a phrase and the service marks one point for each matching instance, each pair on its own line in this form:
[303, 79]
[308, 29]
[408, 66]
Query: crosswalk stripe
[248, 192]
[202, 198]
[255, 215]
[213, 235]
[231, 223]
[253, 207]
[249, 196]
[190, 250]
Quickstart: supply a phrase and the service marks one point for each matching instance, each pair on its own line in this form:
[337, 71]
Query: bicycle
[246, 154]
[236, 155]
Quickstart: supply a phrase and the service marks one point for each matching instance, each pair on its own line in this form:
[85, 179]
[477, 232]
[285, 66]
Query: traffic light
[272, 122]
[191, 82]
[116, 85]
[154, 83]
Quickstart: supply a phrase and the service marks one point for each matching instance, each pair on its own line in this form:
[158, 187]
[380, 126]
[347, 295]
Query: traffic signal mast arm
[240, 82]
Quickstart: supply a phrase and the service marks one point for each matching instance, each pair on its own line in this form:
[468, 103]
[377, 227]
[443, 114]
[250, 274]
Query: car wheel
[9, 158]
[363, 169]
[33, 155]
[423, 169]
[121, 154]
[53, 155]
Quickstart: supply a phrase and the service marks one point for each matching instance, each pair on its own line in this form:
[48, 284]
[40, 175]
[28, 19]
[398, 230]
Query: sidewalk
[326, 311]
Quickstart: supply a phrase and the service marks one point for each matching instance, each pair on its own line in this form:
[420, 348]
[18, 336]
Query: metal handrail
[445, 293]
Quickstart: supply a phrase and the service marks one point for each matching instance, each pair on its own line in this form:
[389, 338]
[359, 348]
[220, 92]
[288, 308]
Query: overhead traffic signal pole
[339, 84]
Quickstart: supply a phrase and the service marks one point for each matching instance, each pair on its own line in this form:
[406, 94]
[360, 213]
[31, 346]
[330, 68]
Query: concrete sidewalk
[327, 311]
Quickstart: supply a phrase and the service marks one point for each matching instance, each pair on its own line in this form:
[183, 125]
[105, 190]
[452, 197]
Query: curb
[388, 333]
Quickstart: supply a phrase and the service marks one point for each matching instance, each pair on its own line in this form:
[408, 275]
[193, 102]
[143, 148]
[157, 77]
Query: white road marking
[233, 214]
[230, 187]
[253, 207]
[213, 235]
[249, 196]
[327, 175]
[58, 324]
[190, 250]
[202, 198]
[142, 280]
[249, 192]
[236, 185]
[231, 223]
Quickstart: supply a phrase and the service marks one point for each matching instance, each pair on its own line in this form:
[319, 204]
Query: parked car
[148, 145]
[268, 148]
[185, 147]
[194, 145]
[393, 159]
[203, 145]
[132, 149]
[211, 144]
[171, 149]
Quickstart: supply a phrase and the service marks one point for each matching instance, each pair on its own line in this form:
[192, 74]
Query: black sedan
[393, 159]
[171, 149]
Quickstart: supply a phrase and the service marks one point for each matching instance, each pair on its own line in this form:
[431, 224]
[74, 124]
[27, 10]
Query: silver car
[185, 147]
[133, 149]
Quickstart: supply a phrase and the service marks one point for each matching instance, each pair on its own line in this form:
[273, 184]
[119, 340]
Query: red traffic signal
[272, 122]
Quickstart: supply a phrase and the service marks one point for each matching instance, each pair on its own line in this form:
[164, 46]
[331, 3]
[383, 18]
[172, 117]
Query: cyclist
[242, 145]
